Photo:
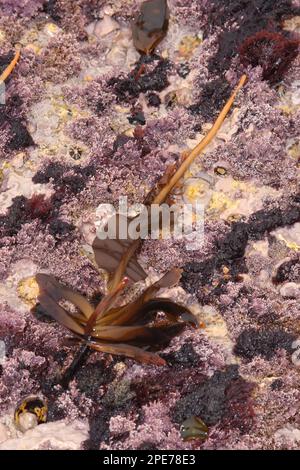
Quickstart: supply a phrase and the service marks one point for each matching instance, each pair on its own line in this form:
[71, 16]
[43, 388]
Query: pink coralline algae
[12, 324]
[192, 14]
[60, 58]
[22, 8]
[117, 120]
[157, 424]
[174, 129]
[73, 17]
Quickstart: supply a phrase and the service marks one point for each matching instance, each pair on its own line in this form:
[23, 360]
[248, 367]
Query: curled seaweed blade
[129, 313]
[151, 25]
[127, 350]
[170, 279]
[173, 310]
[55, 311]
[194, 428]
[156, 335]
[59, 292]
[109, 253]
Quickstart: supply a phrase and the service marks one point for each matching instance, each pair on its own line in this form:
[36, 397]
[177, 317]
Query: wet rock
[103, 27]
[252, 343]
[290, 290]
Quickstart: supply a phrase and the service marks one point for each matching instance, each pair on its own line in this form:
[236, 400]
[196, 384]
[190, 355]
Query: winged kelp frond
[173, 310]
[106, 303]
[54, 310]
[127, 350]
[106, 327]
[127, 259]
[109, 252]
[129, 313]
[58, 292]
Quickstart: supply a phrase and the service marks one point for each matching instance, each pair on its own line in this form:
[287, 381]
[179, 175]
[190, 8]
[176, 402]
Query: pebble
[290, 290]
[102, 27]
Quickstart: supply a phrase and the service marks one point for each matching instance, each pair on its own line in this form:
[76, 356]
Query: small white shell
[27, 421]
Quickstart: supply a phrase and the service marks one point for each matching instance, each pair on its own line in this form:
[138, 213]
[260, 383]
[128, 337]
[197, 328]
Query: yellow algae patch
[2, 36]
[219, 203]
[243, 186]
[291, 245]
[65, 112]
[294, 150]
[34, 48]
[261, 247]
[88, 78]
[292, 24]
[28, 290]
[51, 28]
[187, 46]
[290, 98]
[286, 109]
[195, 190]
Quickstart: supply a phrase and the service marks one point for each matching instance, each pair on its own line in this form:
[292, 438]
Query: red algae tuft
[271, 51]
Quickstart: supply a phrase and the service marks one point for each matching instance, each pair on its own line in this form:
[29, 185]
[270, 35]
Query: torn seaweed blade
[151, 25]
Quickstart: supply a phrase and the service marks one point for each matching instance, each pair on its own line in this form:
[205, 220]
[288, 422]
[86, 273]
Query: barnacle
[120, 330]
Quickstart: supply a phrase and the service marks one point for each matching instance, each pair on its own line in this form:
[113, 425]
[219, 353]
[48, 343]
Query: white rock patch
[57, 435]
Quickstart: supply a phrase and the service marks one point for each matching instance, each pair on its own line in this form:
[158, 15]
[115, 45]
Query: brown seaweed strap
[5, 74]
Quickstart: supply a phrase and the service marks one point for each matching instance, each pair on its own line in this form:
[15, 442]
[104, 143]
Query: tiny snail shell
[193, 428]
[219, 170]
[30, 412]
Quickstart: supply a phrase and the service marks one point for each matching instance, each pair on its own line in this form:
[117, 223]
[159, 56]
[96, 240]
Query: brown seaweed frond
[163, 194]
[127, 329]
[118, 256]
[5, 74]
[124, 330]
[151, 25]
